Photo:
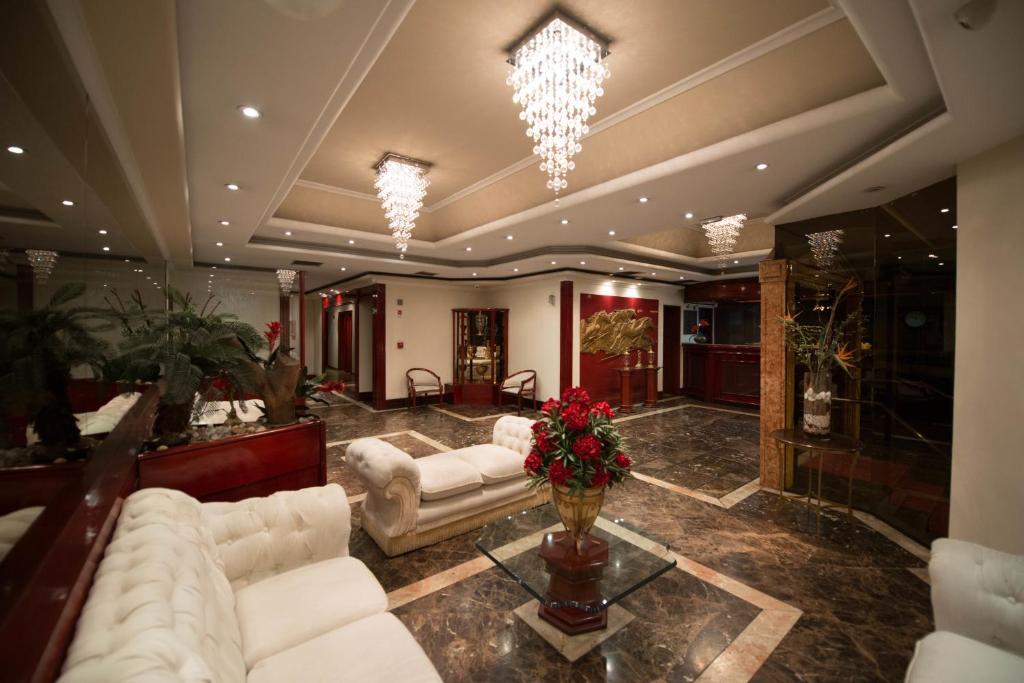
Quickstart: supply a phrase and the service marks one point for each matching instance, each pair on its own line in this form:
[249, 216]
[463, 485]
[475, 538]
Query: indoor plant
[698, 331]
[578, 450]
[819, 348]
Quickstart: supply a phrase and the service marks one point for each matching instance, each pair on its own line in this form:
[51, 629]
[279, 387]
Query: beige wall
[987, 499]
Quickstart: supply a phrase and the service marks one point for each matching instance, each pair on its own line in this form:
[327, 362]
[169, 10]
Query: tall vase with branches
[820, 348]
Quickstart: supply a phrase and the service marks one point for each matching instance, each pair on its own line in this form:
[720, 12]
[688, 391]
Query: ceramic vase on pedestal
[577, 512]
[818, 403]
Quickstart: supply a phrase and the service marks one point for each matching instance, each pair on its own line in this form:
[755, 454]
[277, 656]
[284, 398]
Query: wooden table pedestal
[575, 578]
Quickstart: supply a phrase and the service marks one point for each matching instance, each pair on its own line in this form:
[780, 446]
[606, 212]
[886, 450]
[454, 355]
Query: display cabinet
[480, 354]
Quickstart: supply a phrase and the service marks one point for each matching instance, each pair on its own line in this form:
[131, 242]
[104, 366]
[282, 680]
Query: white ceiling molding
[311, 185]
[343, 233]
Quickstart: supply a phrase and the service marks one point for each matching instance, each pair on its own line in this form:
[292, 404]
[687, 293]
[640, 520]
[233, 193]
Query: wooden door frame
[675, 348]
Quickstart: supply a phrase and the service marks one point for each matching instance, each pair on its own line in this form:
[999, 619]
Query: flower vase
[700, 337]
[577, 512]
[818, 403]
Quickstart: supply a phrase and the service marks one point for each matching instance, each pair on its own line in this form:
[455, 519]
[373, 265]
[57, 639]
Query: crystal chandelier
[722, 234]
[824, 246]
[42, 262]
[401, 185]
[286, 278]
[556, 72]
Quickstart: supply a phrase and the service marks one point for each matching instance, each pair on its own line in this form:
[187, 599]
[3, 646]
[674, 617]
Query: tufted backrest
[979, 593]
[160, 607]
[514, 433]
[14, 525]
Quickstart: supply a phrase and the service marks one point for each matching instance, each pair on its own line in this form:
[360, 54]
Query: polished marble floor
[764, 591]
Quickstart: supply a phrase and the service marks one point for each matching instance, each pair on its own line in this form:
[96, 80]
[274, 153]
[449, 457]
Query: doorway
[671, 349]
[345, 341]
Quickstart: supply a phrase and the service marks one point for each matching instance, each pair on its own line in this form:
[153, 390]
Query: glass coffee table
[574, 590]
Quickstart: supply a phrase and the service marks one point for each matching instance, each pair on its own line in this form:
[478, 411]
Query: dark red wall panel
[598, 372]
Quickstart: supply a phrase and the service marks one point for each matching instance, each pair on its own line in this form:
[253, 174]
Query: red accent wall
[598, 372]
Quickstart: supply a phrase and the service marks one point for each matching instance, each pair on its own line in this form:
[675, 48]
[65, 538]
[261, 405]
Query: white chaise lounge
[255, 591]
[413, 502]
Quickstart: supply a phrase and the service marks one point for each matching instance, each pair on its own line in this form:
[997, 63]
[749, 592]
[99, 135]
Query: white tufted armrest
[513, 433]
[392, 480]
[260, 537]
[978, 592]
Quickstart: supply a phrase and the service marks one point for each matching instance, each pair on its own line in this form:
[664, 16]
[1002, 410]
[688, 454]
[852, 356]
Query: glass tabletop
[533, 548]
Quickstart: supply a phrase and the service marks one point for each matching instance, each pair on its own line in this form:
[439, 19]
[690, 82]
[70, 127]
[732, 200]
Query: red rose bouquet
[576, 445]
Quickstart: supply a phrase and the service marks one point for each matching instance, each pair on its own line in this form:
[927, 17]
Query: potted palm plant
[38, 350]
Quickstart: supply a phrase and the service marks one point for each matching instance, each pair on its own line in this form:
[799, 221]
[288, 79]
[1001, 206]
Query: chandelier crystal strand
[722, 234]
[557, 76]
[43, 262]
[401, 186]
[286, 278]
[824, 246]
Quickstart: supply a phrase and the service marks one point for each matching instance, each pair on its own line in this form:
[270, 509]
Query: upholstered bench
[413, 502]
[259, 590]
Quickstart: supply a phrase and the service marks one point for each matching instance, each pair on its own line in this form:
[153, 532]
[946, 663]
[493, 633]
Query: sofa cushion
[288, 609]
[443, 475]
[513, 432]
[944, 656]
[377, 648]
[495, 463]
[435, 513]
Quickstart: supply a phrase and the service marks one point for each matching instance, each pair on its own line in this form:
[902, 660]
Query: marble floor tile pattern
[862, 605]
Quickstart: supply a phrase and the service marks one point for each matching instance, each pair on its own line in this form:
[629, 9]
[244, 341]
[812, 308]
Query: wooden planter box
[279, 459]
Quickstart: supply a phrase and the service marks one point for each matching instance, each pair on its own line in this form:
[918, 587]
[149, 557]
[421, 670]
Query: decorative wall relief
[615, 333]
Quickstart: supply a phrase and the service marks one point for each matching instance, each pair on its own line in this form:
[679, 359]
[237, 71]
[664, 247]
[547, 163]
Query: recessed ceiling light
[933, 256]
[941, 263]
[127, 260]
[887, 235]
[611, 232]
[106, 248]
[955, 227]
[688, 215]
[287, 233]
[102, 231]
[227, 258]
[469, 248]
[761, 166]
[644, 200]
[343, 268]
[736, 260]
[148, 277]
[214, 267]
[211, 274]
[899, 258]
[14, 149]
[351, 241]
[232, 187]
[621, 268]
[554, 262]
[508, 237]
[474, 274]
[943, 210]
[565, 221]
[249, 112]
[68, 202]
[220, 244]
[583, 263]
[515, 270]
[225, 223]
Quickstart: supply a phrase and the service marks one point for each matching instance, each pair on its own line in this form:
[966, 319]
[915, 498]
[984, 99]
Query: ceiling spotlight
[682, 277]
[515, 270]
[611, 232]
[644, 200]
[127, 260]
[102, 231]
[343, 268]
[469, 248]
[106, 248]
[219, 244]
[68, 202]
[554, 262]
[565, 221]
[955, 227]
[941, 263]
[227, 258]
[933, 256]
[736, 260]
[225, 223]
[653, 273]
[621, 268]
[351, 241]
[583, 263]
[509, 237]
[287, 233]
[761, 166]
[943, 210]
[887, 235]
[249, 112]
[231, 186]
[214, 267]
[474, 274]
[688, 215]
[14, 149]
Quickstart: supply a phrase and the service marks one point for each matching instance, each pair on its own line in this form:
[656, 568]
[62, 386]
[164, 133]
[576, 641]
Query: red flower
[544, 443]
[623, 461]
[602, 408]
[551, 406]
[533, 462]
[331, 385]
[575, 416]
[558, 473]
[576, 395]
[221, 384]
[587, 447]
[272, 333]
[600, 477]
[538, 427]
[694, 328]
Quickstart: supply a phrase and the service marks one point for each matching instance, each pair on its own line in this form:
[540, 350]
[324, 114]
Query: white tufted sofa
[13, 526]
[260, 590]
[978, 599]
[413, 502]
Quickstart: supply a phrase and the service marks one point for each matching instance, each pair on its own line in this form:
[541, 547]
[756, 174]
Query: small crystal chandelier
[824, 246]
[43, 262]
[286, 278]
[722, 234]
[556, 72]
[401, 185]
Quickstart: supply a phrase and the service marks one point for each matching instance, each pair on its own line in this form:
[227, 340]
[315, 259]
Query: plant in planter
[188, 346]
[274, 378]
[38, 350]
[309, 386]
[698, 330]
[819, 348]
[578, 450]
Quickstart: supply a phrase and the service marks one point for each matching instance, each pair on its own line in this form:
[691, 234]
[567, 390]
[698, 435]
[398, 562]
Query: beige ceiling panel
[828, 65]
[438, 91]
[330, 208]
[690, 241]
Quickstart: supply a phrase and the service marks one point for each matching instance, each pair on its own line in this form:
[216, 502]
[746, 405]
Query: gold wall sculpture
[615, 332]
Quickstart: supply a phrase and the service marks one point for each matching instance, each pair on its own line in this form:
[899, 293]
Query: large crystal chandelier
[43, 262]
[557, 73]
[401, 185]
[722, 234]
[285, 277]
[824, 246]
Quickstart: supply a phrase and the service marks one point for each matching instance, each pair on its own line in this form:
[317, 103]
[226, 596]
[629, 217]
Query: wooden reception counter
[724, 373]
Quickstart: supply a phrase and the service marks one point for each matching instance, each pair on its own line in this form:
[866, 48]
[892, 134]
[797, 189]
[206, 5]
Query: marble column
[776, 380]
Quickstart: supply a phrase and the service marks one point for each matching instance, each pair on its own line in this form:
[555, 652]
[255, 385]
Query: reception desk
[724, 373]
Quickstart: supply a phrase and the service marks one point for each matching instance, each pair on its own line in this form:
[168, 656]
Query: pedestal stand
[574, 578]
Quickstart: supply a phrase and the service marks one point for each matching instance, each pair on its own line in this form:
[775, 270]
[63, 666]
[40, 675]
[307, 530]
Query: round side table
[834, 444]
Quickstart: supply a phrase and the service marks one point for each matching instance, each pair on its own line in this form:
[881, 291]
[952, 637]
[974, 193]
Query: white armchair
[978, 599]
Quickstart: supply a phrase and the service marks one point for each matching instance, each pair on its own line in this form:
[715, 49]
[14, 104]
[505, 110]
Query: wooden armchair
[423, 382]
[523, 384]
